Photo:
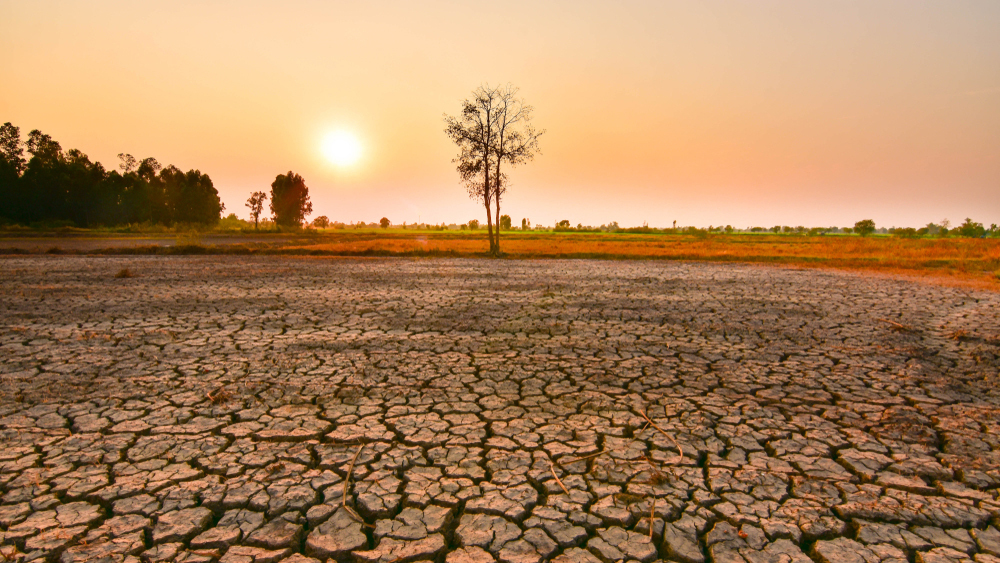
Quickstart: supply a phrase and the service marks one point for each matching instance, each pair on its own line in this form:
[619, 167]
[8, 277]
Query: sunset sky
[707, 113]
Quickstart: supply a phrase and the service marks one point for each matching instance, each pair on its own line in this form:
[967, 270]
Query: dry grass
[125, 273]
[961, 262]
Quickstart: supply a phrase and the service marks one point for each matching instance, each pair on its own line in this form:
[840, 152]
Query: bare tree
[516, 141]
[474, 131]
[493, 129]
[256, 205]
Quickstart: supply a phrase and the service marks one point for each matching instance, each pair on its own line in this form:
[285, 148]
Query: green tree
[864, 227]
[970, 229]
[505, 222]
[384, 222]
[290, 200]
[321, 222]
[256, 205]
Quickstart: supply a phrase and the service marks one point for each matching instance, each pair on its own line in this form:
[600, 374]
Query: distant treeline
[65, 186]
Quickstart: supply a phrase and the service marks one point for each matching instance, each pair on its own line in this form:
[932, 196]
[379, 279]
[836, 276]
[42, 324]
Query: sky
[706, 113]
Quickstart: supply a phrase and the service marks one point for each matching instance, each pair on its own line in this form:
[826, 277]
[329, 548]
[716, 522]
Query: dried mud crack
[240, 409]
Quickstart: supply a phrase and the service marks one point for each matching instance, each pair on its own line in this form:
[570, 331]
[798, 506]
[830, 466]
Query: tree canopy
[290, 200]
[864, 227]
[58, 185]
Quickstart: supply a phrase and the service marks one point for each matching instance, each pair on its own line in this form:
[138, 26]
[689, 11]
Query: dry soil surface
[222, 408]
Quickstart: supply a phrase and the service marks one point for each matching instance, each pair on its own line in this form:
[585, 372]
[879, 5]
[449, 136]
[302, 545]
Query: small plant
[54, 250]
[124, 273]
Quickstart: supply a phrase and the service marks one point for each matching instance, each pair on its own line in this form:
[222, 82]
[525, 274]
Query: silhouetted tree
[12, 163]
[11, 148]
[516, 141]
[196, 199]
[321, 222]
[384, 222]
[68, 186]
[864, 227]
[290, 200]
[129, 162]
[256, 205]
[492, 129]
[505, 222]
[474, 131]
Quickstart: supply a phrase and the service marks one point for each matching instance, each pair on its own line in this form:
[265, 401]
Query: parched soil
[264, 409]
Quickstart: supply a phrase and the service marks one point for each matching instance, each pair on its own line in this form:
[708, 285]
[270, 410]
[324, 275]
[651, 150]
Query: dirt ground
[241, 409]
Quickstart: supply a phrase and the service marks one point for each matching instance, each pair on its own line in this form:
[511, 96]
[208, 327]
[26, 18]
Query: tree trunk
[486, 200]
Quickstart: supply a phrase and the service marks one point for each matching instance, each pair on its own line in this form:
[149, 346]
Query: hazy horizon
[746, 114]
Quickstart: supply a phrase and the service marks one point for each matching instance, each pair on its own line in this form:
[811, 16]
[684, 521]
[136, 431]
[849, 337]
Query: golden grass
[960, 262]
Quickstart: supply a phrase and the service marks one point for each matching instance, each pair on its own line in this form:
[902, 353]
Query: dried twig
[552, 468]
[664, 432]
[652, 512]
[347, 482]
[584, 458]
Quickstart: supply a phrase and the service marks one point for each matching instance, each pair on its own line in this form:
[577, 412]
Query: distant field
[955, 261]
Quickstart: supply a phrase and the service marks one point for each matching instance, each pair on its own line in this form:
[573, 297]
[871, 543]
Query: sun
[341, 148]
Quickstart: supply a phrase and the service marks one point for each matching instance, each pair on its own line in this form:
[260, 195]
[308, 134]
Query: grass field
[952, 261]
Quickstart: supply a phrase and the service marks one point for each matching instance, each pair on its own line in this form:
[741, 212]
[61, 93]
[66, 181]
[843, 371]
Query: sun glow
[341, 148]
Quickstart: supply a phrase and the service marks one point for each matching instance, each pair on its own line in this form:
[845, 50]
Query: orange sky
[746, 113]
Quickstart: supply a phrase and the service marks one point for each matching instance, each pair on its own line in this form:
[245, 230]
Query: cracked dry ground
[219, 409]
